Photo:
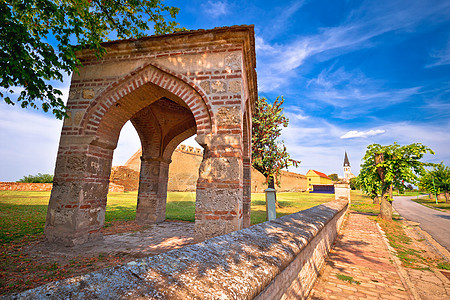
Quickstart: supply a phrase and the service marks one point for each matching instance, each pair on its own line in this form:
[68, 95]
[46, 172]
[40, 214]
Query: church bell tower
[346, 168]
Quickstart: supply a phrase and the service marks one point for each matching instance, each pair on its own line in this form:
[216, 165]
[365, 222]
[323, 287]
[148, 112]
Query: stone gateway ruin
[170, 87]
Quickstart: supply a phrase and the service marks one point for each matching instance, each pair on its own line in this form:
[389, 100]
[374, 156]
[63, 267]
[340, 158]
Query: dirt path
[28, 264]
[155, 239]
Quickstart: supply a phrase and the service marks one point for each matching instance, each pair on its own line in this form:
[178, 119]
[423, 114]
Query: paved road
[435, 222]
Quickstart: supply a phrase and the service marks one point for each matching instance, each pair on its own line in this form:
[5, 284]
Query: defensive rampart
[25, 186]
[183, 173]
[273, 260]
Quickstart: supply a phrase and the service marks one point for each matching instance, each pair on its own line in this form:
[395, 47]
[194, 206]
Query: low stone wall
[25, 186]
[273, 260]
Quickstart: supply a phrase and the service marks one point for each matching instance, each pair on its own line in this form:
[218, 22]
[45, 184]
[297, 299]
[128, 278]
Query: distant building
[317, 178]
[347, 169]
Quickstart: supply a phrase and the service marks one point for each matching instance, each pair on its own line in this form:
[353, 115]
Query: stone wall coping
[238, 265]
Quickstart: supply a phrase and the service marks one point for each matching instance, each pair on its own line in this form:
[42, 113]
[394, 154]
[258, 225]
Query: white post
[342, 191]
[271, 211]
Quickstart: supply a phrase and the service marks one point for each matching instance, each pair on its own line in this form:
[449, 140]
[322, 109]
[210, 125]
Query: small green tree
[269, 154]
[354, 183]
[39, 178]
[334, 177]
[437, 181]
[390, 166]
[28, 60]
[426, 184]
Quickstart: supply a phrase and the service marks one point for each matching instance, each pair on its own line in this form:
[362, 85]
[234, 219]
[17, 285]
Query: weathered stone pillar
[219, 199]
[152, 194]
[247, 192]
[342, 191]
[76, 211]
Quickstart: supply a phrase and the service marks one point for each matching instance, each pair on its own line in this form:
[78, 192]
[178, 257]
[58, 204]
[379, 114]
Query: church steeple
[347, 172]
[346, 162]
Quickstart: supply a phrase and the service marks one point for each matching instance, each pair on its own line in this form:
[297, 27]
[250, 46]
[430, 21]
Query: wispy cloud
[362, 134]
[441, 57]
[286, 11]
[340, 88]
[318, 143]
[296, 113]
[278, 61]
[215, 9]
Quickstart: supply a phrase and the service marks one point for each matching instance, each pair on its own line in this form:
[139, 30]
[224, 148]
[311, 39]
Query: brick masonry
[170, 87]
[279, 259]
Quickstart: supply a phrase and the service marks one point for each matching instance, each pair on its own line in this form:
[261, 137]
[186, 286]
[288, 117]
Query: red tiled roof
[321, 174]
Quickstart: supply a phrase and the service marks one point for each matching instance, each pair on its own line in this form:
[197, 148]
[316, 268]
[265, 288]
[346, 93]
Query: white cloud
[277, 62]
[295, 113]
[29, 142]
[362, 134]
[215, 9]
[441, 57]
[343, 89]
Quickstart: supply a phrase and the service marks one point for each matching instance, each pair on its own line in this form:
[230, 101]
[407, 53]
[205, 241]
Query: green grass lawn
[408, 193]
[22, 214]
[22, 221]
[432, 203]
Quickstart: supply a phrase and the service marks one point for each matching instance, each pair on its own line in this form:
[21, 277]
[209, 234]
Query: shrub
[39, 178]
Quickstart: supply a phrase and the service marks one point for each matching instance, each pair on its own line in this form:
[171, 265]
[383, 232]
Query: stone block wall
[126, 177]
[279, 259]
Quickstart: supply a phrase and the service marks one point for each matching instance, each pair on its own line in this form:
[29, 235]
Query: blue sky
[352, 73]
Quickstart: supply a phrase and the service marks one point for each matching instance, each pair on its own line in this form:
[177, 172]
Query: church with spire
[347, 170]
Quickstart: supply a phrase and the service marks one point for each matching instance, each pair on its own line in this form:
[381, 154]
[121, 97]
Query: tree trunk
[385, 208]
[391, 193]
[272, 186]
[376, 200]
[447, 196]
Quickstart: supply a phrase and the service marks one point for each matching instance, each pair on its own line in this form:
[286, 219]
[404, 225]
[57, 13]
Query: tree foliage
[387, 167]
[437, 180]
[370, 184]
[36, 37]
[269, 154]
[334, 177]
[354, 183]
[39, 178]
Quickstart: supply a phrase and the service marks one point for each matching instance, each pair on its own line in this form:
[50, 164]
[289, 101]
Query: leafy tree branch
[36, 38]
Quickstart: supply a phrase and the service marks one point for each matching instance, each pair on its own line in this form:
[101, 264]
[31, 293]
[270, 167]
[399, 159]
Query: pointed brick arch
[112, 103]
[170, 87]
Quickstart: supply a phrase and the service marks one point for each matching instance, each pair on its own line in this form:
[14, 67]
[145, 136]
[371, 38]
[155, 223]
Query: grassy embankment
[431, 203]
[22, 220]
